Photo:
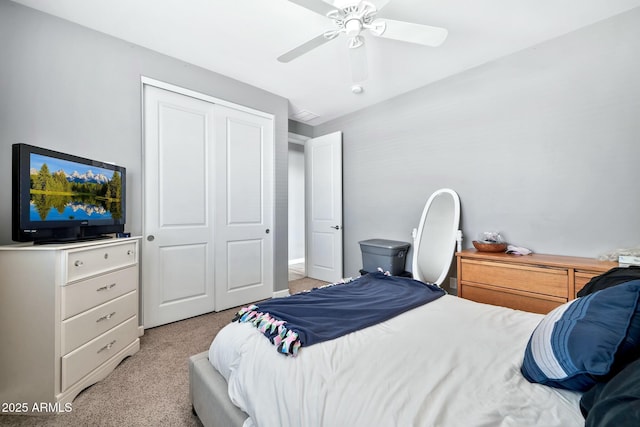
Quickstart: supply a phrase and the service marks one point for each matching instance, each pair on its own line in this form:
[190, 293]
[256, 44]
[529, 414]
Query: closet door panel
[177, 270]
[244, 242]
[244, 172]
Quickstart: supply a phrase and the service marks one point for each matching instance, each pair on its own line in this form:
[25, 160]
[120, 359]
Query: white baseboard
[281, 294]
[296, 261]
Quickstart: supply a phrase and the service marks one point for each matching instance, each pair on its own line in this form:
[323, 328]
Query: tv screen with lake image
[63, 190]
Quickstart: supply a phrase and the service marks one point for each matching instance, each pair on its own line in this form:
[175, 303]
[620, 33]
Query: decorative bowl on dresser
[489, 246]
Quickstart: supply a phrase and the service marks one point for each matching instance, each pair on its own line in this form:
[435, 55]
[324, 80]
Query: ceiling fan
[356, 17]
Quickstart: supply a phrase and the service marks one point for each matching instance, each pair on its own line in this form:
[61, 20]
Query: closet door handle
[337, 227]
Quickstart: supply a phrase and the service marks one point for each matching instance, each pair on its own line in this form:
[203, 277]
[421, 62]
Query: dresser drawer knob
[105, 287]
[78, 263]
[107, 347]
[129, 252]
[105, 317]
[106, 256]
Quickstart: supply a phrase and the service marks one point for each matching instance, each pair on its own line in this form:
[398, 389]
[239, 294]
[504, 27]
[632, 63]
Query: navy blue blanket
[331, 311]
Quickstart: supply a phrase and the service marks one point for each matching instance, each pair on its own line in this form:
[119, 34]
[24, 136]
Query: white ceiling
[242, 39]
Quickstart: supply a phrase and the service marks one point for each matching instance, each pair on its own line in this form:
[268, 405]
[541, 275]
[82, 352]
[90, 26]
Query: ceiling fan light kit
[356, 18]
[351, 20]
[356, 42]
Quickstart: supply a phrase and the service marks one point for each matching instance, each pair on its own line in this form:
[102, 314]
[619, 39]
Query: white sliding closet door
[178, 242]
[208, 202]
[244, 213]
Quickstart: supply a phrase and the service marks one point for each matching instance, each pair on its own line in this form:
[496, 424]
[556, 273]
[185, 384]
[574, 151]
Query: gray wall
[542, 145]
[75, 90]
[300, 128]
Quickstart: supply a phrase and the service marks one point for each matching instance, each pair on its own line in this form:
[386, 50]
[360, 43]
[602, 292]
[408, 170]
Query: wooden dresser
[536, 282]
[68, 317]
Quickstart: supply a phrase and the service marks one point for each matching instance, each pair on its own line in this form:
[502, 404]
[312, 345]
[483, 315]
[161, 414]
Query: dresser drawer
[89, 293]
[519, 301]
[85, 359]
[90, 262]
[89, 324]
[582, 278]
[545, 281]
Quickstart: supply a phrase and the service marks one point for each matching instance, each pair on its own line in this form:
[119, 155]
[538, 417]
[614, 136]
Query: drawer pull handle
[129, 252]
[105, 287]
[106, 317]
[78, 263]
[107, 347]
[106, 256]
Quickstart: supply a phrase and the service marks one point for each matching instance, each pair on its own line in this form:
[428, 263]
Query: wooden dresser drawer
[81, 296]
[83, 360]
[507, 298]
[86, 326]
[582, 278]
[90, 262]
[545, 281]
[535, 282]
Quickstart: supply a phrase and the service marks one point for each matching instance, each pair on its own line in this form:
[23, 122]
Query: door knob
[267, 231]
[151, 238]
[337, 227]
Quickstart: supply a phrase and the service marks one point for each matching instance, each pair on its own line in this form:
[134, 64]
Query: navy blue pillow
[585, 340]
[616, 402]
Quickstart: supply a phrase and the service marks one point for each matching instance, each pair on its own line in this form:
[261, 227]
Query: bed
[448, 362]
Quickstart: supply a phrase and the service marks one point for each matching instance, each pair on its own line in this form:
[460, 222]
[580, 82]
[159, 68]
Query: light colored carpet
[304, 284]
[151, 388]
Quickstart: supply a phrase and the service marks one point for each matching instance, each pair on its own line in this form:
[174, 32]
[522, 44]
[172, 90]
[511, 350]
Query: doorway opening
[315, 207]
[297, 240]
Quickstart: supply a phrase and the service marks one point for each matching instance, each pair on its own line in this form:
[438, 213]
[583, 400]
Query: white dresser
[68, 317]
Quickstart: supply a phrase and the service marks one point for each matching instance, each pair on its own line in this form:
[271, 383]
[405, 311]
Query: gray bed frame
[209, 395]
[208, 389]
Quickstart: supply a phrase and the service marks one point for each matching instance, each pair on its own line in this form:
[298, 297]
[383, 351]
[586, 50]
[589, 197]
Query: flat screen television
[60, 197]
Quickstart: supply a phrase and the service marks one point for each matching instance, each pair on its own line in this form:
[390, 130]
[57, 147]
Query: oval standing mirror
[436, 238]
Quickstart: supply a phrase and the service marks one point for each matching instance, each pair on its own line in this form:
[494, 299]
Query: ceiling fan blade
[358, 62]
[379, 4]
[414, 33]
[317, 6]
[303, 48]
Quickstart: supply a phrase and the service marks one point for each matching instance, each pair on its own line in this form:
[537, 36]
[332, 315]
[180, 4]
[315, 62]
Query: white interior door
[244, 212]
[178, 243]
[323, 179]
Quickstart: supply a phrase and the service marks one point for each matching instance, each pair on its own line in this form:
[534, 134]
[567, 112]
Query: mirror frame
[448, 246]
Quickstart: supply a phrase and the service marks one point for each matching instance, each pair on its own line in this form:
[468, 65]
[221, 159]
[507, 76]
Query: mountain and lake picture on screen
[64, 190]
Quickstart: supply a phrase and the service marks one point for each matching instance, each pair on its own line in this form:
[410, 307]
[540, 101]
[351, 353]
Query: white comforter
[451, 362]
